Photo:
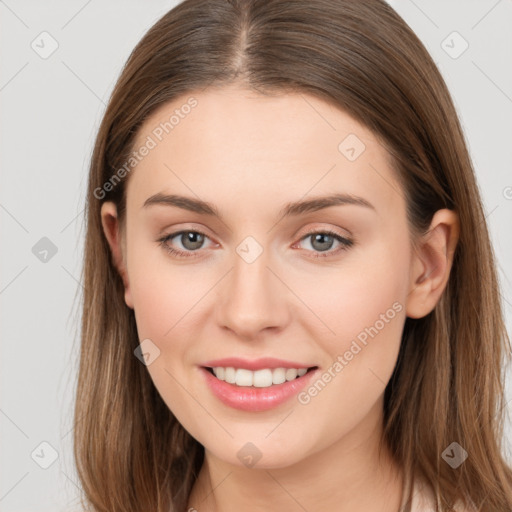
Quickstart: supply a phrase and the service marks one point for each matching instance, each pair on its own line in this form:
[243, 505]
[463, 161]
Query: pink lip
[255, 399]
[257, 364]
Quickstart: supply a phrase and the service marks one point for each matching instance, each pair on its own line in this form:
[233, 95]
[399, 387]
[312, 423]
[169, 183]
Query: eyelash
[346, 243]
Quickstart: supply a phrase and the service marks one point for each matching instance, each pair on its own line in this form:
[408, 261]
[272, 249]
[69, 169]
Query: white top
[424, 499]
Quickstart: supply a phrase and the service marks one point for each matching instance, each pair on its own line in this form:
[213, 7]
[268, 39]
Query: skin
[249, 154]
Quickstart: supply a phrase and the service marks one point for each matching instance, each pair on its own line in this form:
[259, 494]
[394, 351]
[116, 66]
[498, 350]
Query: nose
[252, 299]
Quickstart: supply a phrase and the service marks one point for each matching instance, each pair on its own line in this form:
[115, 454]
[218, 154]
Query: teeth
[278, 376]
[229, 374]
[291, 373]
[259, 378]
[243, 377]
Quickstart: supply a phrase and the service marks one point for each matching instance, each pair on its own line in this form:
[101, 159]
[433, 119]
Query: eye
[190, 240]
[323, 241]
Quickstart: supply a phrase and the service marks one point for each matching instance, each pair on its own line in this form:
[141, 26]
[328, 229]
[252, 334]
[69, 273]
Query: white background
[51, 109]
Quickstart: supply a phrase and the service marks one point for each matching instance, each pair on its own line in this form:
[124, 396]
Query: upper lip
[255, 364]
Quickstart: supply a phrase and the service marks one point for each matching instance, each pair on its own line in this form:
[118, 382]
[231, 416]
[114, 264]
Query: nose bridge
[252, 297]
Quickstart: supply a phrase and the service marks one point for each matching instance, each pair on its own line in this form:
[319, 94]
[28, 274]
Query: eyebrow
[290, 209]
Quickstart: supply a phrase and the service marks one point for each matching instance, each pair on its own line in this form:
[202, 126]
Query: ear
[111, 229]
[431, 264]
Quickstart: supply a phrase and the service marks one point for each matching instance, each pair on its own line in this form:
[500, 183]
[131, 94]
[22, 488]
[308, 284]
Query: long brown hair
[131, 453]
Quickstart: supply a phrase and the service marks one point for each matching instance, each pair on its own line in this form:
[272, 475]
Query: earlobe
[432, 263]
[111, 230]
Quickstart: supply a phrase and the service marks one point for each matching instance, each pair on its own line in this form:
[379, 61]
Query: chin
[259, 453]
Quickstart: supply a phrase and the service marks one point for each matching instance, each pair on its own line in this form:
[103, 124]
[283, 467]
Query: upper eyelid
[345, 233]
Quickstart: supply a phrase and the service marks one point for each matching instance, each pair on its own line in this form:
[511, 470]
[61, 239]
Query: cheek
[364, 306]
[164, 296]
[365, 290]
[162, 291]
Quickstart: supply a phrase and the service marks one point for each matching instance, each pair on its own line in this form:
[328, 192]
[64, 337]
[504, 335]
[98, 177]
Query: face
[264, 286]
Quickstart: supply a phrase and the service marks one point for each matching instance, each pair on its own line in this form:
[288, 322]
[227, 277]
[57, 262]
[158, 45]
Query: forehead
[235, 141]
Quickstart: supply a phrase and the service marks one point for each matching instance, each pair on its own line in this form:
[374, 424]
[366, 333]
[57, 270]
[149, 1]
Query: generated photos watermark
[151, 142]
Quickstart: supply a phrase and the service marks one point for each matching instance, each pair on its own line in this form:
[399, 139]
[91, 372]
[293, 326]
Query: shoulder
[424, 499]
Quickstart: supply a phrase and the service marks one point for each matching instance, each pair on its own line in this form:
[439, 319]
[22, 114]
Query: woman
[290, 295]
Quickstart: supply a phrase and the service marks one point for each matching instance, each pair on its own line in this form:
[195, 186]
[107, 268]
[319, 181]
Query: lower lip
[255, 399]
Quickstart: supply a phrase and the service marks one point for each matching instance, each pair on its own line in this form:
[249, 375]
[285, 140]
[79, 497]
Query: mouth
[256, 390]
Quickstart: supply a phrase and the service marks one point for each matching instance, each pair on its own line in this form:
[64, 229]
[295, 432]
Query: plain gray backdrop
[59, 62]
